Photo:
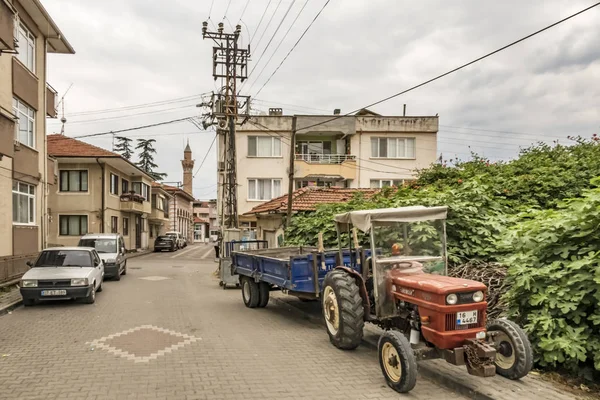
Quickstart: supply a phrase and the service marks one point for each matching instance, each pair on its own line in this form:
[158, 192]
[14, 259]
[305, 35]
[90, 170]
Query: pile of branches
[492, 275]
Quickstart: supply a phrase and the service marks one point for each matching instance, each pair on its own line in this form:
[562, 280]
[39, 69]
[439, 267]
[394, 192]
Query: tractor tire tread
[524, 356]
[263, 290]
[351, 310]
[254, 299]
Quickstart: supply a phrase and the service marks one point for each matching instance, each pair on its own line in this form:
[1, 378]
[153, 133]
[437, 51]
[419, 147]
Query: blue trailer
[297, 271]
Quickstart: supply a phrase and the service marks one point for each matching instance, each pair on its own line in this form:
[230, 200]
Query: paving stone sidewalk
[456, 378]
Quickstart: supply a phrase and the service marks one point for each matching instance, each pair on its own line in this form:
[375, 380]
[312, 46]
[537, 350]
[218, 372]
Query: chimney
[337, 111]
[276, 111]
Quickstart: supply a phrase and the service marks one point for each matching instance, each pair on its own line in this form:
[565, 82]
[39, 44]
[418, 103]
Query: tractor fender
[361, 287]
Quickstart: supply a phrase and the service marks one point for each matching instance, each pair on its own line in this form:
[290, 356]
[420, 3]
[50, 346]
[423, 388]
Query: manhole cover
[144, 343]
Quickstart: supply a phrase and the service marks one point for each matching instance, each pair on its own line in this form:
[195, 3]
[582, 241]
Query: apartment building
[158, 220]
[27, 34]
[365, 150]
[201, 221]
[97, 191]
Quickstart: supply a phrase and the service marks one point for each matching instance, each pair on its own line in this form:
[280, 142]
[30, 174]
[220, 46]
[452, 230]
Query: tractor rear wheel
[514, 357]
[343, 310]
[250, 292]
[397, 361]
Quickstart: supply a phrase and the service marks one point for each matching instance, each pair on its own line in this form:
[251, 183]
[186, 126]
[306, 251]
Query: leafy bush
[554, 282]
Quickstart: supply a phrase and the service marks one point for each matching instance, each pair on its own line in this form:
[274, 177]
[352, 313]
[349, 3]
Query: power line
[453, 70]
[143, 105]
[272, 36]
[260, 22]
[292, 49]
[87, 121]
[131, 129]
[278, 46]
[287, 104]
[244, 10]
[268, 24]
[212, 3]
[226, 9]
[206, 155]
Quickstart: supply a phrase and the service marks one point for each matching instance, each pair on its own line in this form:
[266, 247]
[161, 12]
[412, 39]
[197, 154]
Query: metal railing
[325, 158]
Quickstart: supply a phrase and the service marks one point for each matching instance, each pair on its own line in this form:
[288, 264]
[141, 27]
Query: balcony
[325, 158]
[333, 165]
[158, 215]
[133, 203]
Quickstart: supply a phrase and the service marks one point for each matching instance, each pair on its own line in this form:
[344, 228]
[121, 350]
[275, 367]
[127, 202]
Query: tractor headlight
[452, 299]
[29, 283]
[478, 296]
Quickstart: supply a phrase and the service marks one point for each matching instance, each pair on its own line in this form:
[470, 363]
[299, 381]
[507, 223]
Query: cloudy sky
[136, 52]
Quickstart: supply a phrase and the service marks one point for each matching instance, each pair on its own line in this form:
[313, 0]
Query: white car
[61, 273]
[180, 242]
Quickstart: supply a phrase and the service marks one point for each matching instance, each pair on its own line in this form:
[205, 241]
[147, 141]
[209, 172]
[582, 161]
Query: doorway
[138, 232]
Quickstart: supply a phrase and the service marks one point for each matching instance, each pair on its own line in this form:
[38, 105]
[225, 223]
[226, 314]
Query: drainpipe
[103, 195]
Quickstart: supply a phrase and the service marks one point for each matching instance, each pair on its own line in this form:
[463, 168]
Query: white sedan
[61, 273]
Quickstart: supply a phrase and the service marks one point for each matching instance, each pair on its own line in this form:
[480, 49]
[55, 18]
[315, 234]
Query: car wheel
[117, 277]
[91, 298]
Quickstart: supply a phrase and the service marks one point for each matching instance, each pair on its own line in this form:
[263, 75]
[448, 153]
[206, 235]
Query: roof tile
[64, 146]
[307, 199]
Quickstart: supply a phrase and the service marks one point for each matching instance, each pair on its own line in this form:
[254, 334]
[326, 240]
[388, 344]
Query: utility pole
[230, 63]
[291, 171]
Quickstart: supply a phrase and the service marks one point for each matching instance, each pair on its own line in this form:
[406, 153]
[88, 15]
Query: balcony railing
[132, 197]
[325, 158]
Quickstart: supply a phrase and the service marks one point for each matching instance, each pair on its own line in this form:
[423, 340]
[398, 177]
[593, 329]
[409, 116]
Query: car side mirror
[122, 250]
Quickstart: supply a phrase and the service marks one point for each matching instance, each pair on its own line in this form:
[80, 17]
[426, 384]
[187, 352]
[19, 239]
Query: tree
[146, 158]
[123, 147]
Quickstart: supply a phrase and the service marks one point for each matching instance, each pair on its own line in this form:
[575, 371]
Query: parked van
[111, 249]
[180, 242]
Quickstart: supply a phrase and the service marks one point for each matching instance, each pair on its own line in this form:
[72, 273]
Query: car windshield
[101, 245]
[173, 235]
[163, 238]
[64, 258]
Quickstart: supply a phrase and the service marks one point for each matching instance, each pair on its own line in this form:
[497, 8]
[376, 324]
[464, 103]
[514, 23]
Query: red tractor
[404, 288]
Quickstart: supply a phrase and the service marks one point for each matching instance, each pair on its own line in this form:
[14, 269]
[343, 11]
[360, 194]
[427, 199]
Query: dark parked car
[164, 243]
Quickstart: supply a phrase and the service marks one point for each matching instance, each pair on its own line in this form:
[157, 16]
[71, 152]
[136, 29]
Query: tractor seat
[403, 268]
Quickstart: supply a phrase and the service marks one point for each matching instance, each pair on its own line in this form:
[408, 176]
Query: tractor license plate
[466, 317]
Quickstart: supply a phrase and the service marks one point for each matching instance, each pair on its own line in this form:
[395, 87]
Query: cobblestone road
[167, 331]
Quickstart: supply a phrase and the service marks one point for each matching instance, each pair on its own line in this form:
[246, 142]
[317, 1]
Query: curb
[8, 308]
[424, 369]
[137, 254]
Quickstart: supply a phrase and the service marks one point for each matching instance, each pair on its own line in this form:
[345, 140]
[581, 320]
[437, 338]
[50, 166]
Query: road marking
[207, 253]
[184, 252]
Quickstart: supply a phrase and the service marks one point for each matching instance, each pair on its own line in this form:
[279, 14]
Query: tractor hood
[437, 284]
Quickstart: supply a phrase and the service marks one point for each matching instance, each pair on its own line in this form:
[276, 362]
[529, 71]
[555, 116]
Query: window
[313, 147]
[142, 189]
[381, 183]
[73, 181]
[263, 189]
[73, 225]
[114, 184]
[25, 127]
[26, 47]
[114, 224]
[23, 203]
[124, 186]
[393, 147]
[125, 226]
[264, 146]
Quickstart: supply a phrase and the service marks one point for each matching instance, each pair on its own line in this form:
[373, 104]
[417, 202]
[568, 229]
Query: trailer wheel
[514, 357]
[263, 291]
[343, 310]
[397, 361]
[250, 292]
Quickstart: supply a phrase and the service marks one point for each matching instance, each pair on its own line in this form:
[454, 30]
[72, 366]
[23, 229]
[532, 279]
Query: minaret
[188, 166]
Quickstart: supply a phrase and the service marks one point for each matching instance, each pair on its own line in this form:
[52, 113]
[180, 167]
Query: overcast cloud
[138, 51]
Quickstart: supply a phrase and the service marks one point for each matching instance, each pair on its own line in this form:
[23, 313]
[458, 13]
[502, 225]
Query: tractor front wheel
[514, 358]
[343, 310]
[397, 361]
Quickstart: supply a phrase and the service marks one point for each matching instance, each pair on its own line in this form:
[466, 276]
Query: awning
[363, 219]
[319, 177]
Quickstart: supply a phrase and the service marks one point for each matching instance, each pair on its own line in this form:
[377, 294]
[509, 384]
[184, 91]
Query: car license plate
[466, 317]
[161, 243]
[54, 292]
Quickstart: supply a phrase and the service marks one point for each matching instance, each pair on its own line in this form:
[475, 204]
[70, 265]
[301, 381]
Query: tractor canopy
[363, 219]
